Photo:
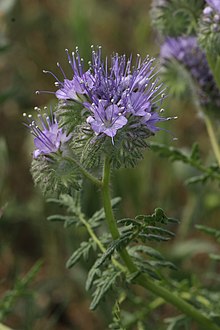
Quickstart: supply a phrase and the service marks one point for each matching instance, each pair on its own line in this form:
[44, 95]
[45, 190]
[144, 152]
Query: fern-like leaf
[82, 251]
[103, 284]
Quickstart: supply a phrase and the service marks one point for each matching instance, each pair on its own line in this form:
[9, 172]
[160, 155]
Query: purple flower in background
[49, 138]
[187, 52]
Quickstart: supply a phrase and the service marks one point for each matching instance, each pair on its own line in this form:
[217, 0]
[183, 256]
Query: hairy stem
[212, 137]
[142, 279]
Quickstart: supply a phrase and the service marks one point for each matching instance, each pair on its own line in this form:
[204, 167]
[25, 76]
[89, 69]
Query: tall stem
[142, 279]
[213, 139]
[110, 215]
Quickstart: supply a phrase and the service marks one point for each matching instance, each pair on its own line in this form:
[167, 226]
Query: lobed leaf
[103, 284]
[82, 251]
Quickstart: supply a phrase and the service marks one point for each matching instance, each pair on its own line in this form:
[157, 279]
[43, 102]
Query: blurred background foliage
[33, 37]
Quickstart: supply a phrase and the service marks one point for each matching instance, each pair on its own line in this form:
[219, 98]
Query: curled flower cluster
[209, 27]
[109, 107]
[48, 137]
[116, 96]
[187, 52]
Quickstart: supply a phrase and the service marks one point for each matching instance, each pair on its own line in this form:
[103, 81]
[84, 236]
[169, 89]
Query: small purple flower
[187, 52]
[106, 120]
[71, 89]
[49, 138]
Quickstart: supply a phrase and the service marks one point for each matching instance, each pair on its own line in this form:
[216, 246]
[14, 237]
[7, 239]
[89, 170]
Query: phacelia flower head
[209, 27]
[186, 51]
[117, 101]
[113, 93]
[48, 137]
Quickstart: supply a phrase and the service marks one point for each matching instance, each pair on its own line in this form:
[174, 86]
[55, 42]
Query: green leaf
[177, 322]
[193, 159]
[146, 250]
[103, 284]
[20, 288]
[210, 231]
[82, 251]
[94, 271]
[68, 220]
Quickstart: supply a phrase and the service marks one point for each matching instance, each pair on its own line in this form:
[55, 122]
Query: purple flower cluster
[187, 52]
[49, 138]
[113, 94]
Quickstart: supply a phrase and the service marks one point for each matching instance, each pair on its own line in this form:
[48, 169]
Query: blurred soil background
[33, 36]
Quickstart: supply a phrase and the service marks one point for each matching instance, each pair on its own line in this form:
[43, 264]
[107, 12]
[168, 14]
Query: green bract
[176, 17]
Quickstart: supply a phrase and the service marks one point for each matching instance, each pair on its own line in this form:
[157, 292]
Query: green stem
[142, 279]
[99, 243]
[213, 139]
[110, 216]
[87, 174]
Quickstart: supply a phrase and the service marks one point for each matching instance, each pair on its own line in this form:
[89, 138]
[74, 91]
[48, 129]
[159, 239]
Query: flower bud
[209, 28]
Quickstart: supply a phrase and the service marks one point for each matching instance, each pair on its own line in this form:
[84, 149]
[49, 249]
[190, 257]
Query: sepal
[55, 175]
